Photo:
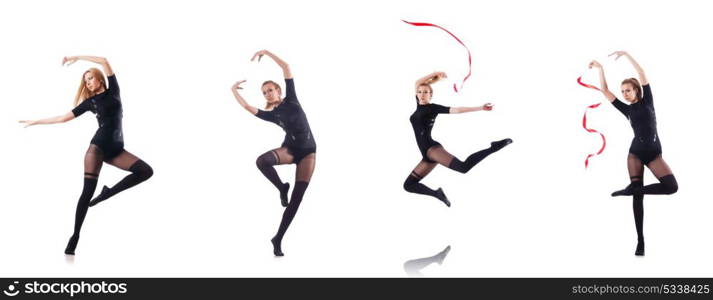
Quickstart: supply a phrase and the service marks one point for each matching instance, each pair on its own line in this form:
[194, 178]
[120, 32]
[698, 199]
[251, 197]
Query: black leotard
[422, 121]
[290, 116]
[107, 106]
[642, 116]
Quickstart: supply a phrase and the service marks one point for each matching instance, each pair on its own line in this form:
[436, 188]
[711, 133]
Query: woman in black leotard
[422, 121]
[107, 145]
[297, 148]
[645, 148]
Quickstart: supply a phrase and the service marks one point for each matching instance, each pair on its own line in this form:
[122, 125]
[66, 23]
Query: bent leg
[140, 172]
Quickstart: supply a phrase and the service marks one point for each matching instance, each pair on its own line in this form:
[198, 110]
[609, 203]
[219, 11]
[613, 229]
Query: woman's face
[271, 93]
[424, 94]
[629, 93]
[92, 82]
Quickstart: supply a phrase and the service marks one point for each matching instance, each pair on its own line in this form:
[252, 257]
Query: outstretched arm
[604, 88]
[430, 78]
[53, 120]
[460, 110]
[243, 103]
[639, 70]
[285, 67]
[68, 60]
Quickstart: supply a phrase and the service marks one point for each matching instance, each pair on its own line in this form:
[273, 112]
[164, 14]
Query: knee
[148, 172]
[458, 166]
[671, 184]
[260, 162]
[410, 181]
[673, 187]
[407, 184]
[265, 161]
[142, 169]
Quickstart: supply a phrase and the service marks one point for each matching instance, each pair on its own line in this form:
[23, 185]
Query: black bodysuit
[642, 116]
[107, 106]
[290, 116]
[422, 121]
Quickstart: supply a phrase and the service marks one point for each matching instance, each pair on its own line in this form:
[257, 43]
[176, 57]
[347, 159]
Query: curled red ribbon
[455, 88]
[584, 122]
[579, 80]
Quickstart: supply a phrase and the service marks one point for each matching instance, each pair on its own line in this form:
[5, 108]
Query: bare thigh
[440, 155]
[636, 168]
[93, 161]
[423, 168]
[124, 160]
[283, 156]
[305, 168]
[659, 167]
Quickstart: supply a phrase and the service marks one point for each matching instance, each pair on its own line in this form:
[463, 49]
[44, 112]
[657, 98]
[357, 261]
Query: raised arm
[604, 88]
[460, 110]
[53, 120]
[243, 103]
[430, 78]
[285, 67]
[69, 60]
[639, 70]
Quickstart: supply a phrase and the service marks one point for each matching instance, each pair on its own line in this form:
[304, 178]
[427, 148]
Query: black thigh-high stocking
[636, 175]
[266, 163]
[303, 175]
[638, 205]
[440, 155]
[140, 172]
[413, 184]
[92, 166]
[667, 182]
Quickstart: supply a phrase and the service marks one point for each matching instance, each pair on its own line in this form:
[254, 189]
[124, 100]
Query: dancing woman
[645, 149]
[101, 97]
[432, 152]
[298, 146]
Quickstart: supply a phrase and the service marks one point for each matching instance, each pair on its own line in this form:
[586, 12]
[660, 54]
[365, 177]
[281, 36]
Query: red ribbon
[584, 122]
[579, 80]
[457, 39]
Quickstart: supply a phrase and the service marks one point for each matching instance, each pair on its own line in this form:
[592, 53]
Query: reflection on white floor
[415, 266]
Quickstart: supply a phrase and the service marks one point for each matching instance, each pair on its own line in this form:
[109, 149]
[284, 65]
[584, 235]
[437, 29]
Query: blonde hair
[277, 87]
[427, 83]
[430, 89]
[432, 80]
[636, 85]
[83, 92]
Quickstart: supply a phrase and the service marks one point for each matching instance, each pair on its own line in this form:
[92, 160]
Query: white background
[529, 210]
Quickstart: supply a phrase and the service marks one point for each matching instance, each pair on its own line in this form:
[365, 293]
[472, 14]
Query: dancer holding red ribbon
[433, 153]
[645, 147]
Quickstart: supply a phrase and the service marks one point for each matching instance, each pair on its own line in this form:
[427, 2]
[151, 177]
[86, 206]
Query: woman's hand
[595, 64]
[28, 123]
[69, 60]
[236, 86]
[619, 54]
[259, 55]
[286, 72]
[487, 107]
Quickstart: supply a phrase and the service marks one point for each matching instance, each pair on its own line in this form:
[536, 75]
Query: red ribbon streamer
[584, 122]
[579, 80]
[457, 39]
